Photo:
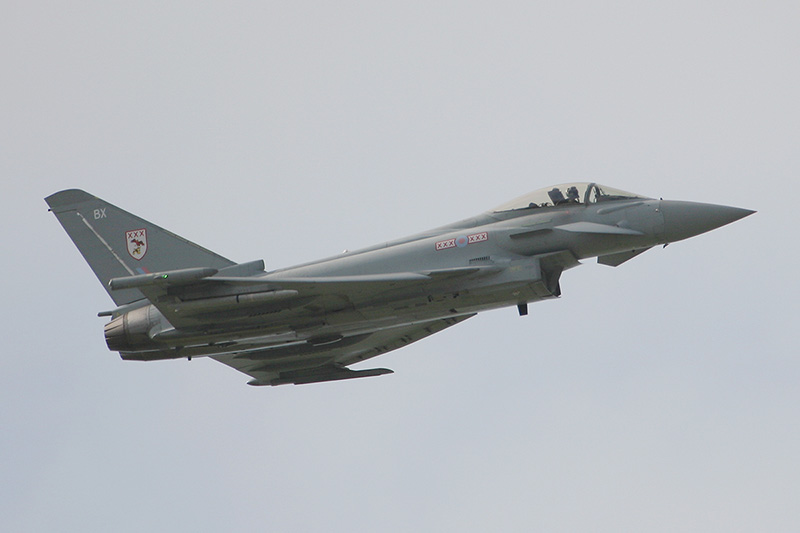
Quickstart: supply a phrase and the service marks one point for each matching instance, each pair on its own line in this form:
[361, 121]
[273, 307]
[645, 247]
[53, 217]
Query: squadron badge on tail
[137, 243]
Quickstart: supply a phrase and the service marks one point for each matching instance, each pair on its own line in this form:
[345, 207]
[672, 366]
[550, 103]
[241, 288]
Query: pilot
[556, 196]
[573, 195]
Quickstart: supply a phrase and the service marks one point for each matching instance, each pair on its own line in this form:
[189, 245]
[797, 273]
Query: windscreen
[566, 194]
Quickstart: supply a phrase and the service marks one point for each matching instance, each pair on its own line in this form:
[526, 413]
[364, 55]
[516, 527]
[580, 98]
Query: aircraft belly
[300, 335]
[335, 314]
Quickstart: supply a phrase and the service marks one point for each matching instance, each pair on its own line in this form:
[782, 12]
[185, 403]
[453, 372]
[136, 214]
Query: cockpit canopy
[567, 194]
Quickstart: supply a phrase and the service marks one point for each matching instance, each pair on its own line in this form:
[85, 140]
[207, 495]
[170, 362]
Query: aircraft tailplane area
[118, 244]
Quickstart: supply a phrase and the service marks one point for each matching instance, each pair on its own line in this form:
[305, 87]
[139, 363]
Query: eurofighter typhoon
[309, 323]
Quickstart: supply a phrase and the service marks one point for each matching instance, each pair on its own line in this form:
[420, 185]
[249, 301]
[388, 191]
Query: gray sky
[660, 396]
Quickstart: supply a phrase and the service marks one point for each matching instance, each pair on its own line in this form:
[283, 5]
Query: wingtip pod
[301, 378]
[171, 277]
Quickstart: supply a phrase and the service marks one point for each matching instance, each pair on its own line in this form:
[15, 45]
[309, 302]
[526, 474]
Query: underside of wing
[302, 363]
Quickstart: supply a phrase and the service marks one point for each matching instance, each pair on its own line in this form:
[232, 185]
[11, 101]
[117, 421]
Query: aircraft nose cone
[687, 219]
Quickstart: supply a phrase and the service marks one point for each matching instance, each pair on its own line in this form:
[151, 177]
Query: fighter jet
[309, 323]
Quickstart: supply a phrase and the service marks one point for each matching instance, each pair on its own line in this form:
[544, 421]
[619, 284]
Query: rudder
[116, 243]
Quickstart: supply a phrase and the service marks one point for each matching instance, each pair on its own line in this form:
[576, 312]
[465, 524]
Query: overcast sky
[662, 395]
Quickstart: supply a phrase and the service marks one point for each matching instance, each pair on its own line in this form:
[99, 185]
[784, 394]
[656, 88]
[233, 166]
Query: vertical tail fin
[116, 243]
